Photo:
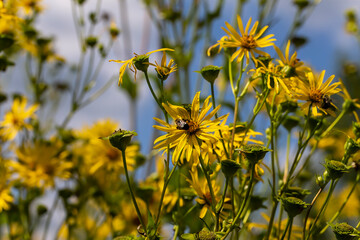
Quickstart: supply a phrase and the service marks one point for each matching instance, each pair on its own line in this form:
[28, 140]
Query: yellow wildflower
[316, 93]
[292, 66]
[201, 188]
[15, 119]
[98, 154]
[246, 41]
[191, 128]
[40, 163]
[130, 63]
[5, 187]
[164, 70]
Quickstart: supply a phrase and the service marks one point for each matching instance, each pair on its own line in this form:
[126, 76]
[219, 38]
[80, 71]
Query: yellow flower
[130, 63]
[248, 42]
[5, 187]
[99, 154]
[15, 119]
[30, 6]
[164, 70]
[274, 76]
[9, 22]
[40, 163]
[291, 67]
[201, 188]
[191, 128]
[316, 93]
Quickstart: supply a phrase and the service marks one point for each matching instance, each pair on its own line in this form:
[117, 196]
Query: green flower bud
[290, 106]
[356, 129]
[120, 138]
[256, 203]
[114, 31]
[293, 206]
[336, 169]
[229, 168]
[145, 192]
[349, 106]
[254, 152]
[41, 210]
[351, 146]
[91, 41]
[288, 71]
[210, 73]
[265, 60]
[205, 234]
[320, 181]
[296, 192]
[141, 62]
[344, 231]
[301, 3]
[290, 122]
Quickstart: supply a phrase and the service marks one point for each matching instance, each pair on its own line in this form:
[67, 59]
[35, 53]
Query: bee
[326, 102]
[181, 124]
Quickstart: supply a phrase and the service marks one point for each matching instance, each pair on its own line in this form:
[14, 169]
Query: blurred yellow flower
[5, 187]
[98, 154]
[130, 63]
[40, 163]
[246, 41]
[190, 130]
[9, 22]
[15, 119]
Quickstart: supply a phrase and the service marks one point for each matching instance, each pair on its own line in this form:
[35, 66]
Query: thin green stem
[241, 209]
[216, 116]
[50, 214]
[288, 226]
[153, 93]
[218, 211]
[132, 193]
[309, 209]
[176, 232]
[330, 191]
[166, 182]
[332, 125]
[286, 169]
[272, 217]
[343, 205]
[207, 176]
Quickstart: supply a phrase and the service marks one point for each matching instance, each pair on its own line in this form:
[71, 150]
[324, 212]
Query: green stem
[166, 182]
[309, 209]
[331, 189]
[132, 193]
[272, 217]
[343, 205]
[207, 176]
[216, 116]
[176, 229]
[286, 169]
[243, 202]
[47, 224]
[332, 125]
[221, 204]
[288, 226]
[153, 93]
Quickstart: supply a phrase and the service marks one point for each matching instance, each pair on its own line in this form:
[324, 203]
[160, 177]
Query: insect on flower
[182, 124]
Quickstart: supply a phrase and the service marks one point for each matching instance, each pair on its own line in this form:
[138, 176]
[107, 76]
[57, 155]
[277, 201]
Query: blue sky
[324, 30]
